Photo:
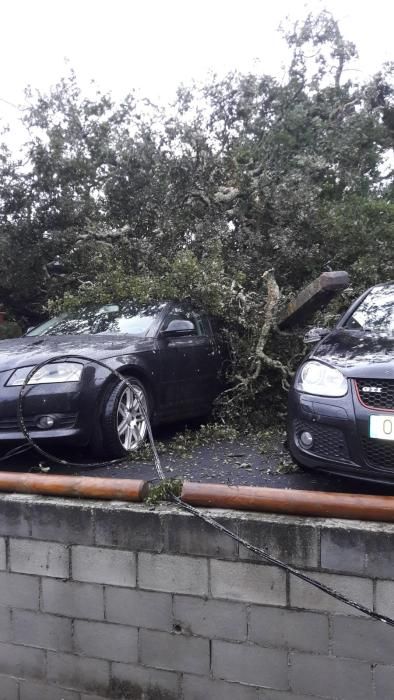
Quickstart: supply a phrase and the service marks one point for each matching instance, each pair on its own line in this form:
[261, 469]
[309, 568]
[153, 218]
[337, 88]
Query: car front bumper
[72, 405]
[340, 432]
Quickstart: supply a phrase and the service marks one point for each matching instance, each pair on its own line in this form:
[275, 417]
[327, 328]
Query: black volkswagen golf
[341, 404]
[167, 351]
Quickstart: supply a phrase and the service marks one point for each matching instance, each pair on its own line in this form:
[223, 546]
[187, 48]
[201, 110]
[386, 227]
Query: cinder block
[5, 625]
[19, 591]
[73, 599]
[385, 598]
[141, 683]
[139, 608]
[214, 619]
[330, 677]
[186, 534]
[304, 595]
[22, 662]
[8, 688]
[268, 694]
[197, 688]
[41, 558]
[287, 539]
[246, 663]
[62, 520]
[304, 631]
[3, 562]
[99, 565]
[79, 673]
[15, 519]
[40, 691]
[163, 572]
[38, 630]
[384, 682]
[359, 551]
[363, 639]
[131, 528]
[174, 652]
[106, 641]
[248, 582]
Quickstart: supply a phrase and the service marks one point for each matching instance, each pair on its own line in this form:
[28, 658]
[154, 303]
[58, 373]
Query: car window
[375, 313]
[199, 320]
[205, 324]
[127, 318]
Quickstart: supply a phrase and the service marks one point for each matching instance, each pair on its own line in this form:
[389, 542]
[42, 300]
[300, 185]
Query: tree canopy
[241, 176]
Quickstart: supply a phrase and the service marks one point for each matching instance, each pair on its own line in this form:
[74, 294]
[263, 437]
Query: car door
[188, 365]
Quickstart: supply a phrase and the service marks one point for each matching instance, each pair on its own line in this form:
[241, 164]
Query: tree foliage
[240, 176]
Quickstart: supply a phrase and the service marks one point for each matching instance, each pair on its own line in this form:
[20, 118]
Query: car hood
[32, 350]
[358, 354]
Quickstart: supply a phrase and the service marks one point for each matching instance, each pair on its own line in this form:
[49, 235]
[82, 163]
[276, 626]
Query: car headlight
[53, 373]
[321, 380]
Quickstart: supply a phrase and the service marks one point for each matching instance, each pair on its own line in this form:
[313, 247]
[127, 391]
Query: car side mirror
[314, 335]
[179, 327]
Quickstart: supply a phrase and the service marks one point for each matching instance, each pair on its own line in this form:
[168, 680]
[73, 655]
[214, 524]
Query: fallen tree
[243, 175]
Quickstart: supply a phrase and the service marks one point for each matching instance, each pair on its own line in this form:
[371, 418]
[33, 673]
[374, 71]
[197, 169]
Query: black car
[167, 351]
[341, 404]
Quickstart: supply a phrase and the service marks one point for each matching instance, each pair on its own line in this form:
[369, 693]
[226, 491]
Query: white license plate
[381, 427]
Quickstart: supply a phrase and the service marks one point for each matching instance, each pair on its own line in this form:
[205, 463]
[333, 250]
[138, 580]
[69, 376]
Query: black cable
[282, 565]
[15, 452]
[176, 499]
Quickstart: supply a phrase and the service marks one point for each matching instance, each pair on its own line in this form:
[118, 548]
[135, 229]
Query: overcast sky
[153, 45]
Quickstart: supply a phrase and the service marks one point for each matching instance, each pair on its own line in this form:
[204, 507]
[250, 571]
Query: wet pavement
[241, 461]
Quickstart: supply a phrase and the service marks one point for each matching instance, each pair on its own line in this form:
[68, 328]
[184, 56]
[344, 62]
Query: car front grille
[376, 393]
[11, 425]
[328, 442]
[379, 453]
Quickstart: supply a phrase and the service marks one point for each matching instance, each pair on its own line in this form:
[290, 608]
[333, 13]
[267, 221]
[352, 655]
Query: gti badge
[372, 389]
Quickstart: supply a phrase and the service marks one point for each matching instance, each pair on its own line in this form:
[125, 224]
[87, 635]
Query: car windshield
[126, 318]
[375, 313]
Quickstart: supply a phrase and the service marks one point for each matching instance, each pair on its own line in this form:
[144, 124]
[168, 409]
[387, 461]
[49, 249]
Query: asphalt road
[230, 462]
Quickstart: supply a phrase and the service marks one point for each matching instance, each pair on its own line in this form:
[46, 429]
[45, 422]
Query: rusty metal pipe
[292, 502]
[76, 486]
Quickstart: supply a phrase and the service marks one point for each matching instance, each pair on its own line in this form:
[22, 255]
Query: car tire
[122, 425]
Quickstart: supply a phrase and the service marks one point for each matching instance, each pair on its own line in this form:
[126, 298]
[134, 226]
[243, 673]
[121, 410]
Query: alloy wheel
[131, 422]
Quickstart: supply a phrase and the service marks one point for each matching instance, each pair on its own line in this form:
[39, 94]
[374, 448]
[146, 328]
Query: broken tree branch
[260, 358]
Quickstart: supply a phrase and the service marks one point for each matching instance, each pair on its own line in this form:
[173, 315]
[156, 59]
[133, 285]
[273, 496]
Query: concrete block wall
[119, 601]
